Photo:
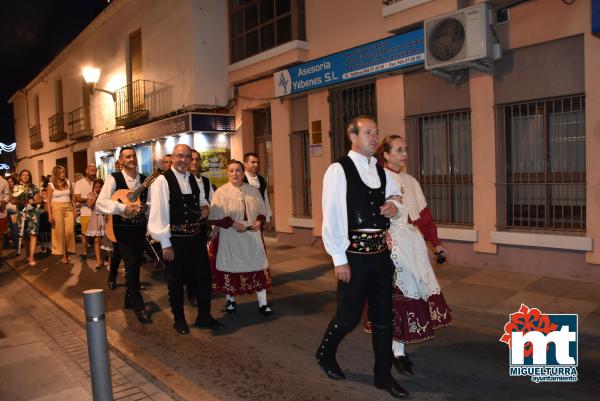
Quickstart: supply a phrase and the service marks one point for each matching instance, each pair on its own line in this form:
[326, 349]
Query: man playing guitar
[129, 223]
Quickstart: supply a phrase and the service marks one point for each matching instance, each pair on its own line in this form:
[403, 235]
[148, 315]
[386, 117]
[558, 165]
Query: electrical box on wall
[596, 17]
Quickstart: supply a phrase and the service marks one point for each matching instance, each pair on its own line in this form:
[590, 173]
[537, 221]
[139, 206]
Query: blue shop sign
[393, 53]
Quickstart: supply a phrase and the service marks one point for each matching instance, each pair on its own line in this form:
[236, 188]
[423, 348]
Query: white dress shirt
[105, 204]
[335, 217]
[256, 183]
[211, 191]
[158, 222]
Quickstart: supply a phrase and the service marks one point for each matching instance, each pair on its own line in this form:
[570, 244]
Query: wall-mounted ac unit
[460, 39]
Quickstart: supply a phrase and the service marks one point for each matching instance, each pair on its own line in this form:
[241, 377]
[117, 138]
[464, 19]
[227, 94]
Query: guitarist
[129, 223]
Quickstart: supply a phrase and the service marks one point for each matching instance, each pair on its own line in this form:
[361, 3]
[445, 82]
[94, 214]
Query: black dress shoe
[265, 310]
[403, 364]
[332, 369]
[390, 385]
[143, 316]
[112, 282]
[208, 323]
[181, 327]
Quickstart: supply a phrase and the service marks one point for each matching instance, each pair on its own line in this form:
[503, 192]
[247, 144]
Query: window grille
[440, 159]
[544, 186]
[301, 195]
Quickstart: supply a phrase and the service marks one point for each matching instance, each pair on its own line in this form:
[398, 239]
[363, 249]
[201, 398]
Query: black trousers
[115, 260]
[189, 267]
[131, 243]
[370, 280]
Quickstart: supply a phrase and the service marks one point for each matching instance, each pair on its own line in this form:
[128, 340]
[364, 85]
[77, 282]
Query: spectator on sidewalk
[95, 227]
[11, 210]
[61, 214]
[45, 226]
[4, 197]
[27, 198]
[81, 189]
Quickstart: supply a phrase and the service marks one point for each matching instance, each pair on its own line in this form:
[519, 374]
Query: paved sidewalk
[43, 352]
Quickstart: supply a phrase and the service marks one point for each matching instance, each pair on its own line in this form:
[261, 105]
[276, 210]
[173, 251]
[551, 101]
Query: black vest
[206, 183]
[184, 210]
[261, 182]
[140, 220]
[362, 201]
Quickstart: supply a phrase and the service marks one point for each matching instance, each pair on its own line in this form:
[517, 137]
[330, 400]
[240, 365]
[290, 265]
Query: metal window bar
[441, 145]
[344, 105]
[301, 193]
[56, 127]
[79, 123]
[35, 137]
[130, 103]
[545, 184]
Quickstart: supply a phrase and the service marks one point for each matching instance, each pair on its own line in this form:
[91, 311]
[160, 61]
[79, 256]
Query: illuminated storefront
[209, 134]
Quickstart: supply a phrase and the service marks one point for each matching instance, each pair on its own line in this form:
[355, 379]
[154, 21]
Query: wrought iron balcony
[79, 124]
[56, 127]
[131, 104]
[35, 137]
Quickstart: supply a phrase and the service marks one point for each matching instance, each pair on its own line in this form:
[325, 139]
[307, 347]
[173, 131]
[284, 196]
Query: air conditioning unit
[461, 39]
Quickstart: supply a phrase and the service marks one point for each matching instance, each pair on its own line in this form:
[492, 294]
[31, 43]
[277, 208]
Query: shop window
[544, 159]
[440, 155]
[301, 196]
[258, 25]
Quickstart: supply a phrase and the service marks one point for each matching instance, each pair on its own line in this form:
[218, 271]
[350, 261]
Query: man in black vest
[356, 215]
[251, 166]
[178, 206]
[129, 224]
[195, 169]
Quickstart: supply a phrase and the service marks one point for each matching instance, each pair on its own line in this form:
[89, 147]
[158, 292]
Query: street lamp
[91, 75]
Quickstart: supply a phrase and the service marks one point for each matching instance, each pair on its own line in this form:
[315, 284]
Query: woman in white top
[61, 214]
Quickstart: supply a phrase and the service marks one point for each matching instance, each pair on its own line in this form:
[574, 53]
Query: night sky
[33, 32]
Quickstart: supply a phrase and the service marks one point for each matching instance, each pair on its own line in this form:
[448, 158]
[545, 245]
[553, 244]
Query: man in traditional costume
[129, 225]
[355, 217]
[178, 206]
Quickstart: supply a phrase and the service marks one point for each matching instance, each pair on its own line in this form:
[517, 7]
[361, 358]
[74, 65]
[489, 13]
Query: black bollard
[93, 301]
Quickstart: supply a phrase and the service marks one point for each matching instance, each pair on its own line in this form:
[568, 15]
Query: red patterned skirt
[414, 320]
[227, 283]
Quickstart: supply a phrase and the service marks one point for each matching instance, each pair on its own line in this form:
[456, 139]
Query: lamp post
[91, 75]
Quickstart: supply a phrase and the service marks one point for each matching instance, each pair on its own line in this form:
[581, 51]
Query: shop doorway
[345, 104]
[80, 161]
[64, 162]
[263, 147]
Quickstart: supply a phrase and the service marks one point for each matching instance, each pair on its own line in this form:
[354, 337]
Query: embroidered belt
[185, 229]
[367, 241]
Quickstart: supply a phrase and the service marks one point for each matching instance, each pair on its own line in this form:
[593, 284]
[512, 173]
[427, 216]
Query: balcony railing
[79, 124]
[56, 127]
[131, 106]
[35, 137]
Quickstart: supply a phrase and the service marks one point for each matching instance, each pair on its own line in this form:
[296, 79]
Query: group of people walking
[181, 201]
[375, 223]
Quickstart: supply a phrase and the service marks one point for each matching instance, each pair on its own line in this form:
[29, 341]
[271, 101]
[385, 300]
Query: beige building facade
[506, 157]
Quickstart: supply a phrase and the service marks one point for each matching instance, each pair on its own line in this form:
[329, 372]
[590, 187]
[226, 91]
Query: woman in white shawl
[418, 305]
[238, 254]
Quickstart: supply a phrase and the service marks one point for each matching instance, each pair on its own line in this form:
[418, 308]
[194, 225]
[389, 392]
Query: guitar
[128, 197]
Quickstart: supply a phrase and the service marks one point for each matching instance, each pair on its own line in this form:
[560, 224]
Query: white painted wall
[184, 50]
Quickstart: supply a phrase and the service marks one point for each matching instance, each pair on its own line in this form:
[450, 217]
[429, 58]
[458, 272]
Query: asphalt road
[258, 358]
